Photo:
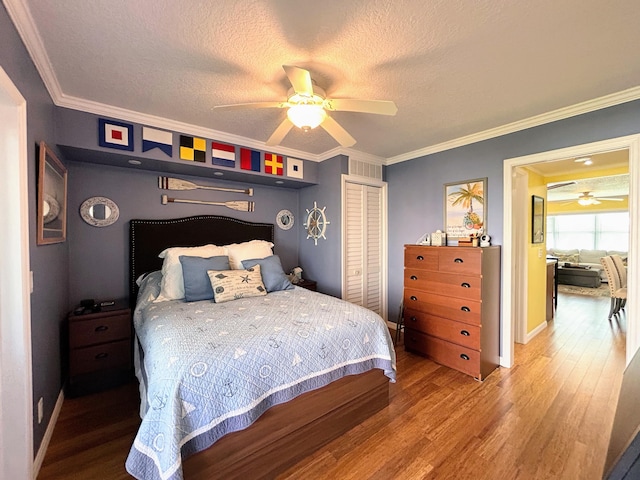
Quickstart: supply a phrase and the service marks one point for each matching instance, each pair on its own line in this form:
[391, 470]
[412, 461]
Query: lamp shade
[306, 116]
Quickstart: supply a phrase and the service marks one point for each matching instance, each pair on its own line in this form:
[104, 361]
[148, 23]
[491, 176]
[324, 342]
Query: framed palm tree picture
[465, 206]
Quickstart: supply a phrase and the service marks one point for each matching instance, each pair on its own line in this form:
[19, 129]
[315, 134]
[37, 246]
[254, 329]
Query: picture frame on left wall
[52, 198]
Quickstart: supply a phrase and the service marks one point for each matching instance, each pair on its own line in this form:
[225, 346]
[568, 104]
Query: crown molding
[21, 17]
[553, 116]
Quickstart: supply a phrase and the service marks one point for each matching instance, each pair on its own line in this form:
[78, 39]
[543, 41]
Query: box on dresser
[99, 348]
[452, 306]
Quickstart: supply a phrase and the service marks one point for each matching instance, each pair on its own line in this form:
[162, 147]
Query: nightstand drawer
[100, 357]
[94, 331]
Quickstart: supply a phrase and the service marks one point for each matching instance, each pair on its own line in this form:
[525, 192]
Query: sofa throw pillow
[243, 251]
[234, 284]
[172, 286]
[197, 285]
[592, 256]
[273, 275]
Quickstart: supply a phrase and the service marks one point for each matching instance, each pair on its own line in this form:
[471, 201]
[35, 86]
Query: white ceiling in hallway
[454, 67]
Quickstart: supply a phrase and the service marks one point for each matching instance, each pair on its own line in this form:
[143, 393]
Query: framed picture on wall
[537, 219]
[465, 208]
[52, 198]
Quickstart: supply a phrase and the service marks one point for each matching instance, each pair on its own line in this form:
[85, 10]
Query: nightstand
[100, 352]
[308, 284]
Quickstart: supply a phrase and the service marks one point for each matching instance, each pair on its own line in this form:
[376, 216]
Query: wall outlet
[40, 409]
[539, 253]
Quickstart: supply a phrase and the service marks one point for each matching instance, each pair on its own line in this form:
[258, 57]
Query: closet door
[363, 246]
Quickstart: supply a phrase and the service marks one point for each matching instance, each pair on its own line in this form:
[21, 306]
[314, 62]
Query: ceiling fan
[307, 108]
[587, 199]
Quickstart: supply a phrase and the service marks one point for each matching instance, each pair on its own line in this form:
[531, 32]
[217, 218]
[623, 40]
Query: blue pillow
[197, 285]
[273, 275]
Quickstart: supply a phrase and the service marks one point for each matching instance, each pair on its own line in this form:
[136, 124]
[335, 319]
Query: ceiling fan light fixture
[306, 116]
[585, 201]
[584, 160]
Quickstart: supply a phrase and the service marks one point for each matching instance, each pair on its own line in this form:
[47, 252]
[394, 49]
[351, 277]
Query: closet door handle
[464, 357]
[101, 328]
[464, 333]
[414, 298]
[465, 285]
[458, 260]
[465, 309]
[420, 257]
[413, 277]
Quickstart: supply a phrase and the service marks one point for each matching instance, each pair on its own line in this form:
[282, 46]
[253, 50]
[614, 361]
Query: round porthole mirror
[99, 211]
[285, 219]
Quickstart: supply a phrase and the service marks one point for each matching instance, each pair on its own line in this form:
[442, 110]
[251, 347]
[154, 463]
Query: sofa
[584, 257]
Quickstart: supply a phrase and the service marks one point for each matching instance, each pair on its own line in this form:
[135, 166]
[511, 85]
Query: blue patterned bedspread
[210, 369]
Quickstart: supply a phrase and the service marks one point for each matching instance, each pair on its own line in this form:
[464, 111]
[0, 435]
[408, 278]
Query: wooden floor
[548, 417]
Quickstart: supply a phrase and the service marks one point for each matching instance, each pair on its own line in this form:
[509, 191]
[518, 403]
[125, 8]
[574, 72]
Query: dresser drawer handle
[101, 328]
[102, 356]
[464, 333]
[413, 277]
[465, 285]
[465, 309]
[464, 357]
[420, 257]
[414, 319]
[414, 298]
[458, 260]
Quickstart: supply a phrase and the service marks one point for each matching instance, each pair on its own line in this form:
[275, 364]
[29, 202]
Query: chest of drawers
[100, 351]
[452, 306]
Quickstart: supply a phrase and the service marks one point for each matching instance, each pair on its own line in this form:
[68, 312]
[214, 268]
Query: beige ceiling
[453, 67]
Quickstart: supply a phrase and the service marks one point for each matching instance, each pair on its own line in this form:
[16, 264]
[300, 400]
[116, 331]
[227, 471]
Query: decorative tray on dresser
[452, 306]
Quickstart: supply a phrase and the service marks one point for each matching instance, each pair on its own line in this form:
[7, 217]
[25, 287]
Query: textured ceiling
[453, 67]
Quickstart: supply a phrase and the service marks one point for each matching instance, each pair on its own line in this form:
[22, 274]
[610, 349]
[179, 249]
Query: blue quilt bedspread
[210, 369]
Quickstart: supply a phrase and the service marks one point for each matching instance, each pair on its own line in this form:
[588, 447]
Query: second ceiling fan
[307, 108]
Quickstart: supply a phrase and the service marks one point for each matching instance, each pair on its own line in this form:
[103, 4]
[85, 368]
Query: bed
[187, 428]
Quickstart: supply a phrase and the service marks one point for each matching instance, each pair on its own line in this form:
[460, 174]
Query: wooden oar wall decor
[169, 183]
[240, 205]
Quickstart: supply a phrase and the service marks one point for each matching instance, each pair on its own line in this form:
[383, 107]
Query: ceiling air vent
[364, 169]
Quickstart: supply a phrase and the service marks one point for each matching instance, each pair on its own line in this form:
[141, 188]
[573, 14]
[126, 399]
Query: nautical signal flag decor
[249, 159]
[153, 138]
[223, 154]
[193, 148]
[273, 164]
[294, 168]
[113, 134]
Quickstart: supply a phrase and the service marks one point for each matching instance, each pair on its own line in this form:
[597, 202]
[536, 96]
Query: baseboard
[529, 336]
[37, 463]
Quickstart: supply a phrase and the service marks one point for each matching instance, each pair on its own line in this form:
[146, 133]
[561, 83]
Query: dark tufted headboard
[147, 238]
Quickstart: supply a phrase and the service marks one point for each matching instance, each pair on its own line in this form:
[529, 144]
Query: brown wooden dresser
[452, 306]
[100, 351]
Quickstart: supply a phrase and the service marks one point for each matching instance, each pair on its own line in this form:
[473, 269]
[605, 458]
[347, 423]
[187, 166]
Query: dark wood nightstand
[308, 284]
[100, 351]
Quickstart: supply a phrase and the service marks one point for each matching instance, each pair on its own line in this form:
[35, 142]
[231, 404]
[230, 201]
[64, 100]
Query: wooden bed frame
[286, 433]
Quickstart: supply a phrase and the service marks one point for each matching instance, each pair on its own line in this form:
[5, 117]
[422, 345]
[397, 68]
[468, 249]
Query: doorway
[512, 308]
[16, 415]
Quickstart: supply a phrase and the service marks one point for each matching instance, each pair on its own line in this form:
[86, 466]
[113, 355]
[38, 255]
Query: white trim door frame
[511, 311]
[16, 410]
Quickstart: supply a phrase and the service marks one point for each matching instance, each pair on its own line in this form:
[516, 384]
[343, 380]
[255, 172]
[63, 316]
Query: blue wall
[416, 189]
[99, 260]
[48, 262]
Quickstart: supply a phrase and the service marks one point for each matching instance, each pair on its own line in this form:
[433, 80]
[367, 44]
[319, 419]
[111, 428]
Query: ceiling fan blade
[380, 107]
[300, 79]
[559, 185]
[281, 132]
[334, 129]
[242, 106]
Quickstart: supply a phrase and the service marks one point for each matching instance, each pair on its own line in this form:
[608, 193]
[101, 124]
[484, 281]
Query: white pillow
[254, 249]
[172, 286]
